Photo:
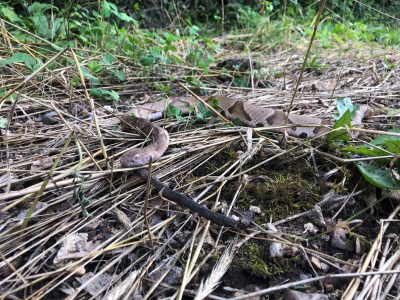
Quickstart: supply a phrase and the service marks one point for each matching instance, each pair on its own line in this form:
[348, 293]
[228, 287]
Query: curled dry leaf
[256, 209]
[280, 250]
[339, 239]
[324, 85]
[174, 276]
[75, 246]
[316, 216]
[321, 266]
[309, 228]
[42, 163]
[50, 118]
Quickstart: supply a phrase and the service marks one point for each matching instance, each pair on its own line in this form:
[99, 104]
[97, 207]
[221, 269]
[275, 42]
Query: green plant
[198, 113]
[346, 112]
[382, 171]
[3, 122]
[19, 57]
[381, 166]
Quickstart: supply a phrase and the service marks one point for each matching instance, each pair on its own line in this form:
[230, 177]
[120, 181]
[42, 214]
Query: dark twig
[185, 201]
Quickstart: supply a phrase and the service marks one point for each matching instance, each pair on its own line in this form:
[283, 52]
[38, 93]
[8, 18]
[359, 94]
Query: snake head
[135, 158]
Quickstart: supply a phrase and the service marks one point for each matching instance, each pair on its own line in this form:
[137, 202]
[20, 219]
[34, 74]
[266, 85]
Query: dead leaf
[99, 282]
[42, 163]
[75, 246]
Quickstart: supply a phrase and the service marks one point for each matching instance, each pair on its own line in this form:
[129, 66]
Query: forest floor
[73, 221]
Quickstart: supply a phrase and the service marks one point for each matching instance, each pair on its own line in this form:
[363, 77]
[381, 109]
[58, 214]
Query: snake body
[233, 109]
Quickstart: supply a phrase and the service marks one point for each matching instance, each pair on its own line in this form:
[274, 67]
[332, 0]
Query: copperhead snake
[233, 109]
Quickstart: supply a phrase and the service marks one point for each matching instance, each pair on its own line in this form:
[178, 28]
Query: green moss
[252, 259]
[228, 154]
[214, 258]
[282, 195]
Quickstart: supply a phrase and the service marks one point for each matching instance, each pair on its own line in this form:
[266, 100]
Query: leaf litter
[87, 235]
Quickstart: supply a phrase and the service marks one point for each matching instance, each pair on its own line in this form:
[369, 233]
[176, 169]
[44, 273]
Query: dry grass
[117, 250]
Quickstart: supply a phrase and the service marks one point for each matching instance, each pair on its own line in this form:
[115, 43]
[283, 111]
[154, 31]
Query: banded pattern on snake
[249, 114]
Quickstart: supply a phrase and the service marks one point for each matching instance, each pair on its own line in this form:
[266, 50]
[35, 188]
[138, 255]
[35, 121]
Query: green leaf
[203, 111]
[108, 59]
[341, 134]
[214, 103]
[194, 81]
[124, 17]
[147, 60]
[85, 72]
[37, 8]
[96, 93]
[170, 37]
[390, 143]
[94, 81]
[180, 119]
[8, 13]
[366, 150]
[119, 74]
[173, 111]
[377, 176]
[392, 146]
[163, 87]
[380, 140]
[193, 30]
[240, 82]
[95, 67]
[75, 81]
[3, 122]
[238, 122]
[113, 94]
[41, 25]
[105, 9]
[19, 57]
[343, 105]
[106, 95]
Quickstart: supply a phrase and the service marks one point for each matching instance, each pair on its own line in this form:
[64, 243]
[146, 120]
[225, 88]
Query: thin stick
[353, 286]
[91, 103]
[321, 9]
[45, 182]
[391, 133]
[146, 202]
[9, 119]
[306, 281]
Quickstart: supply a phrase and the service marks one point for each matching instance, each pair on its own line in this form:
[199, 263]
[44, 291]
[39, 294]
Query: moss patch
[254, 260]
[284, 194]
[251, 259]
